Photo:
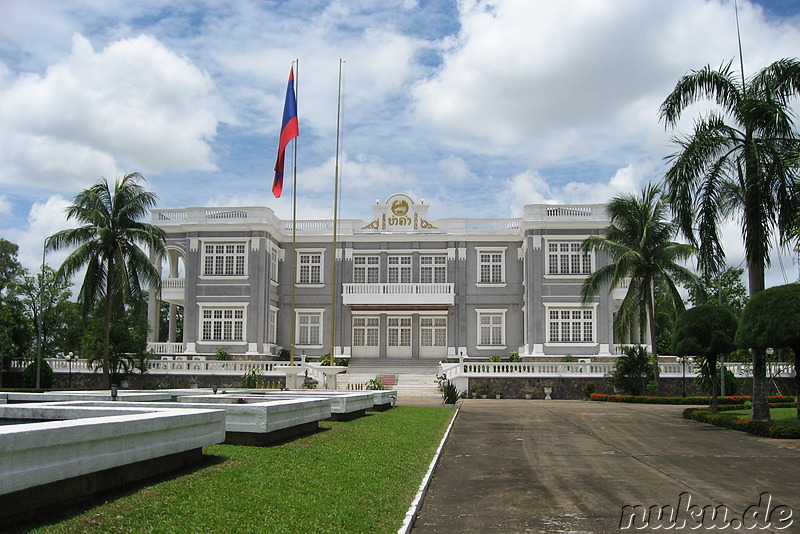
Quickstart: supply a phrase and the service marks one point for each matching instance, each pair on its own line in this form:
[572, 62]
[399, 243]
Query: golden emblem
[399, 207]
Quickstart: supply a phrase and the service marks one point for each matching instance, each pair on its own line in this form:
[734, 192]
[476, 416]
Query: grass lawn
[781, 416]
[355, 476]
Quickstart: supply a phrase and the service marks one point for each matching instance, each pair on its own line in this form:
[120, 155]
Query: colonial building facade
[406, 285]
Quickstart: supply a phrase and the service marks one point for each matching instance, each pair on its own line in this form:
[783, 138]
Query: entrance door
[398, 337]
[365, 336]
[433, 337]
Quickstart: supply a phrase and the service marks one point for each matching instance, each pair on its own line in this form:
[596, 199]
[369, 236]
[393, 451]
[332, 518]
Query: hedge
[734, 400]
[765, 429]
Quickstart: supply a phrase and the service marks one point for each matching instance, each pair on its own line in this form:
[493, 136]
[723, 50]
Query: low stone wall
[573, 388]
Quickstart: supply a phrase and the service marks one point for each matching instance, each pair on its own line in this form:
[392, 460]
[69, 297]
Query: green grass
[356, 476]
[781, 416]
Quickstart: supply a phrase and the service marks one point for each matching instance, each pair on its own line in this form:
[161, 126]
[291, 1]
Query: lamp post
[70, 358]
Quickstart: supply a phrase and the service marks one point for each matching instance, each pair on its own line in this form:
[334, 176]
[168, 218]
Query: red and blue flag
[289, 130]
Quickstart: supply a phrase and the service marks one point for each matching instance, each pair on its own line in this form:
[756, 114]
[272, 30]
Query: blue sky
[478, 107]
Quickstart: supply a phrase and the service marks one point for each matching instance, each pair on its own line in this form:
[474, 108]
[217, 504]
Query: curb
[413, 510]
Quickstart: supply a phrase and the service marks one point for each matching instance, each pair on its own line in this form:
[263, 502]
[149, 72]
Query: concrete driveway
[571, 466]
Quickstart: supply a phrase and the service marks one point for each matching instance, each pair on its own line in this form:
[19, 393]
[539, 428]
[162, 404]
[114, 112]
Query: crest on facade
[400, 214]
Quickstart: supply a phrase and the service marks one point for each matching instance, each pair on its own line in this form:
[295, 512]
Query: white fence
[178, 366]
[467, 369]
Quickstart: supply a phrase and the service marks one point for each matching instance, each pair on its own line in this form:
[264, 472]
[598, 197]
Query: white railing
[166, 348]
[468, 369]
[398, 294]
[166, 365]
[569, 211]
[173, 283]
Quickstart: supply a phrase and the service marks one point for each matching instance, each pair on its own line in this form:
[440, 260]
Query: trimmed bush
[759, 428]
[45, 376]
[641, 399]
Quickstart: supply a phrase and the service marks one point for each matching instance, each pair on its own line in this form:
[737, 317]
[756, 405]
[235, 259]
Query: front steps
[409, 377]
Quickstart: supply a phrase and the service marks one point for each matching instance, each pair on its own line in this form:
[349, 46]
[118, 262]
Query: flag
[289, 130]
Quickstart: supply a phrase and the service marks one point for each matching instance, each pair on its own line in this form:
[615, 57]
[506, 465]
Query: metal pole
[335, 217]
[39, 334]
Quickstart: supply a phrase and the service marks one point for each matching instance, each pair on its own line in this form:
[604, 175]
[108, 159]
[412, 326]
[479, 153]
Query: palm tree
[639, 242]
[108, 246]
[737, 162]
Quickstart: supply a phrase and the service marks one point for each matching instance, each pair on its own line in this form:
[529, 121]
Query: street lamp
[70, 358]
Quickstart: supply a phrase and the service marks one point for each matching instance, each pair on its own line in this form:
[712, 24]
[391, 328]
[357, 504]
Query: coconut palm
[639, 242]
[108, 245]
[737, 162]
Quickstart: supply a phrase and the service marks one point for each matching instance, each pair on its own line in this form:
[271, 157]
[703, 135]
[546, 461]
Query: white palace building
[407, 286]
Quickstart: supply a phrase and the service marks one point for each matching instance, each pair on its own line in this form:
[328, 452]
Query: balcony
[172, 290]
[395, 294]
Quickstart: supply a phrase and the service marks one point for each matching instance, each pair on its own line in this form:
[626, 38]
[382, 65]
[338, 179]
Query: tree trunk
[755, 274]
[107, 340]
[651, 318]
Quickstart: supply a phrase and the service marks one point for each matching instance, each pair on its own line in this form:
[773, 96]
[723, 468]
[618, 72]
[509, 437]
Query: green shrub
[374, 384]
[284, 355]
[765, 429]
[450, 393]
[513, 356]
[223, 354]
[495, 358]
[633, 370]
[588, 389]
[45, 375]
[252, 378]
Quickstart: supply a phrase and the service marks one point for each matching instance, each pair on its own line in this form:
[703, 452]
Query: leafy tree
[639, 242]
[724, 289]
[737, 162]
[10, 268]
[707, 332]
[127, 349]
[634, 370]
[108, 245]
[46, 296]
[16, 334]
[772, 319]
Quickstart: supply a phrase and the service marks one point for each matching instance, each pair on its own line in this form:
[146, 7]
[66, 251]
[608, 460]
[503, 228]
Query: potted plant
[473, 392]
[548, 388]
[497, 393]
[528, 392]
[483, 392]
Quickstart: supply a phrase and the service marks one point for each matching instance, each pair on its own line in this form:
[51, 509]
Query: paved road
[570, 466]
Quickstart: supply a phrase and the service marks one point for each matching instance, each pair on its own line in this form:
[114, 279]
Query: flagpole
[335, 213]
[296, 63]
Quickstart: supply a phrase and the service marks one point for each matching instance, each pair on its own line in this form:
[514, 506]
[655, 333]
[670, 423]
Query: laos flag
[289, 130]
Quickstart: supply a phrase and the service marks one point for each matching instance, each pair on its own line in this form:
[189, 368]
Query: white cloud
[133, 106]
[44, 219]
[582, 79]
[5, 205]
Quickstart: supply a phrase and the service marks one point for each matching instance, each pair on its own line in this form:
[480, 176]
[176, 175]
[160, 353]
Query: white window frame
[222, 316]
[301, 314]
[369, 331]
[567, 260]
[399, 269]
[272, 327]
[368, 267]
[437, 327]
[402, 324]
[580, 321]
[492, 280]
[274, 263]
[214, 263]
[434, 272]
[491, 314]
[313, 281]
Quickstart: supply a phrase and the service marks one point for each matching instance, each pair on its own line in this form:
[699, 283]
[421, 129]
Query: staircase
[409, 377]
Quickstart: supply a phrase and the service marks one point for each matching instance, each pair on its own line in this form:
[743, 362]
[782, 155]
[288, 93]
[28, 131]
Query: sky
[478, 107]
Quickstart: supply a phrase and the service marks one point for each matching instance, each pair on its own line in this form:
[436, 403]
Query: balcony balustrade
[394, 294]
